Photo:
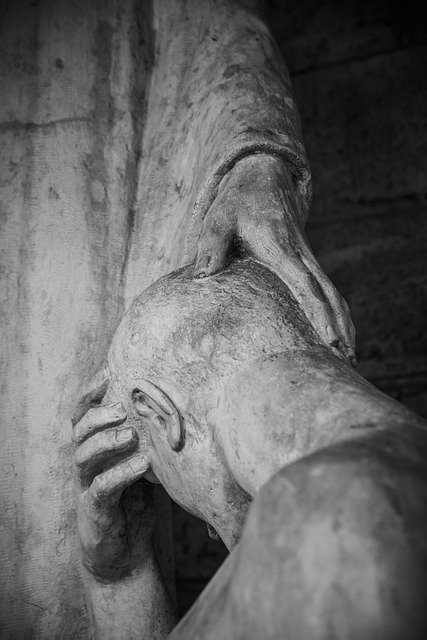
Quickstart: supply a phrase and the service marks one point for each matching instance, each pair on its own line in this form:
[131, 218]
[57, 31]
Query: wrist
[137, 606]
[267, 180]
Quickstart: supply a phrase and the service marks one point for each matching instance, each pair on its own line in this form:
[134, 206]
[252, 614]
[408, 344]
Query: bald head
[185, 333]
[181, 345]
[185, 330]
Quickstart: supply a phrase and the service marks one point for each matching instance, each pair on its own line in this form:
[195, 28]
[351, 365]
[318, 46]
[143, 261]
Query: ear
[147, 398]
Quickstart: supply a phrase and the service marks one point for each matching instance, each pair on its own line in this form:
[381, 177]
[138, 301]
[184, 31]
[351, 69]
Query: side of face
[184, 458]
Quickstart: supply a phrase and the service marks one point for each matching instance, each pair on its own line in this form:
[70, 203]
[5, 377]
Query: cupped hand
[256, 210]
[115, 514]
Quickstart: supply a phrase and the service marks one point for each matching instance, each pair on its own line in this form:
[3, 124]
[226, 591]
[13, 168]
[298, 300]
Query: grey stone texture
[358, 72]
[260, 419]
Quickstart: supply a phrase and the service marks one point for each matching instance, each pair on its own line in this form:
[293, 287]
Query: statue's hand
[114, 515]
[256, 210]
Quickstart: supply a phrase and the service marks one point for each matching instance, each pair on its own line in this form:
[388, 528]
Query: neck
[285, 406]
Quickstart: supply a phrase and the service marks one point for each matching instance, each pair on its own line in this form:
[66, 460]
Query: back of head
[185, 333]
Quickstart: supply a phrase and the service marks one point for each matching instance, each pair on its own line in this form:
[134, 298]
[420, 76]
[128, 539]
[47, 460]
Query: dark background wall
[359, 71]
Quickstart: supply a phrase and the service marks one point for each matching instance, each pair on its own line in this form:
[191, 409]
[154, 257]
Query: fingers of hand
[214, 244]
[266, 247]
[266, 244]
[98, 418]
[342, 334]
[107, 487]
[93, 397]
[94, 453]
[342, 320]
[277, 241]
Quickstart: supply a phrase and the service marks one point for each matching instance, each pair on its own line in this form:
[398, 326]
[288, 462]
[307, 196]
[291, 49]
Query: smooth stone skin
[314, 479]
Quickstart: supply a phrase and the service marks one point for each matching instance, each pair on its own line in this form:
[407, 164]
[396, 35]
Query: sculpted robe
[118, 121]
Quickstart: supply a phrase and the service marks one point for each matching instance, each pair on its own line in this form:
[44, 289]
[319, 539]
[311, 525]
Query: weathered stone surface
[358, 77]
[56, 127]
[238, 408]
[358, 73]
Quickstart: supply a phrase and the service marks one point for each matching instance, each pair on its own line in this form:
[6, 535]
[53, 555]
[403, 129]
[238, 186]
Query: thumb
[214, 245]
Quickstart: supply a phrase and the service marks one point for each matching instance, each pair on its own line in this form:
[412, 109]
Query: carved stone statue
[138, 137]
[224, 393]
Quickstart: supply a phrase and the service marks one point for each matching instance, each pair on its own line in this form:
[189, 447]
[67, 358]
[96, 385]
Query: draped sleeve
[220, 91]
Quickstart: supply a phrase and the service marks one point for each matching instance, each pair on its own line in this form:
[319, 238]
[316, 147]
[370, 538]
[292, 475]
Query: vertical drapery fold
[70, 139]
[107, 171]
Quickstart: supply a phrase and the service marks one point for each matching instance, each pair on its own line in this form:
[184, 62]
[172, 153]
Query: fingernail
[124, 435]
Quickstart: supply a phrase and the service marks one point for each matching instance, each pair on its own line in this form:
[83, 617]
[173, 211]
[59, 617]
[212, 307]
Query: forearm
[136, 607]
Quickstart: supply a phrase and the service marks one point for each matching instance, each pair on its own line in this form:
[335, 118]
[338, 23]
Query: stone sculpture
[130, 130]
[314, 479]
[136, 137]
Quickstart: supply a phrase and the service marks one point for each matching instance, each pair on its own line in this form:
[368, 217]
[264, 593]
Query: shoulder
[336, 543]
